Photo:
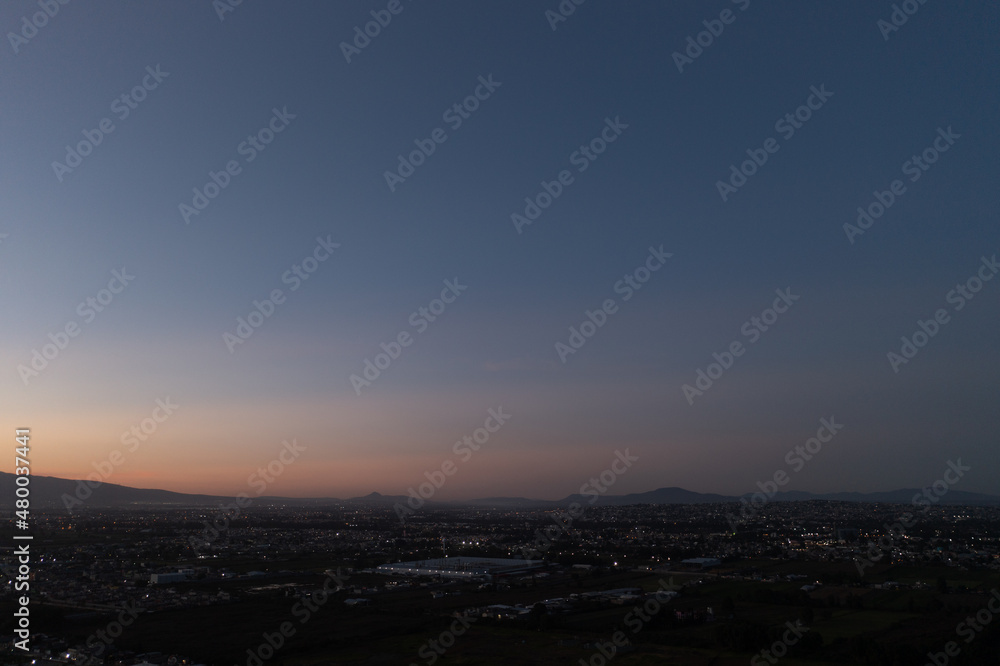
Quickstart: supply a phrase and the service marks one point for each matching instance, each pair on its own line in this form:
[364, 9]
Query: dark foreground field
[847, 622]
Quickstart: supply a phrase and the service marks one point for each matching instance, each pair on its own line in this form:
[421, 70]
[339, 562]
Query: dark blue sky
[323, 176]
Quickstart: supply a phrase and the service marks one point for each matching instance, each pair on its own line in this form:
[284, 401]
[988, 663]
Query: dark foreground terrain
[272, 587]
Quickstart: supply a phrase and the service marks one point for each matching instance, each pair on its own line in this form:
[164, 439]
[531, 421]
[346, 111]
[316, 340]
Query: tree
[538, 611]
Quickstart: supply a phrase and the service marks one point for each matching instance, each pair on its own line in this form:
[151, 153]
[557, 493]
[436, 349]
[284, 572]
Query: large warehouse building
[485, 568]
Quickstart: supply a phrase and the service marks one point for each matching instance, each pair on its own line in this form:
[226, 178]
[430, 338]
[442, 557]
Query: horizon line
[431, 499]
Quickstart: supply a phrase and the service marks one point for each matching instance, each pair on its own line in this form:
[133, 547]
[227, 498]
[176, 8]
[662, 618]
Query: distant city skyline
[495, 244]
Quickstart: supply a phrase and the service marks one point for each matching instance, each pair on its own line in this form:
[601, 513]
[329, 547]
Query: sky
[688, 173]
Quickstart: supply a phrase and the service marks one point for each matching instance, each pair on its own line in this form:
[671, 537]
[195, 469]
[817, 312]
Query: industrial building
[481, 568]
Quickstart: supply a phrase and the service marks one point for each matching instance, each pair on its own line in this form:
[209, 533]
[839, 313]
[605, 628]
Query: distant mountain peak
[49, 492]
